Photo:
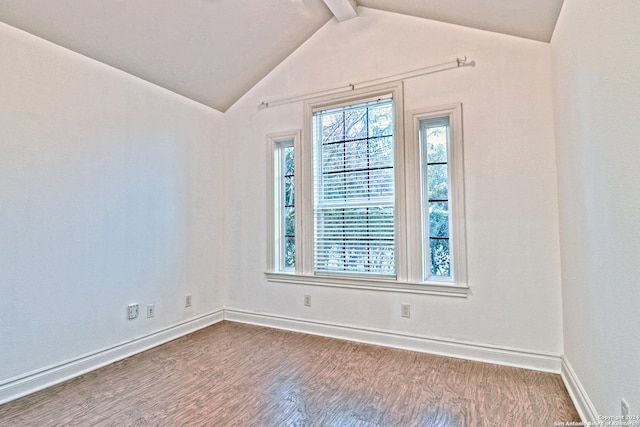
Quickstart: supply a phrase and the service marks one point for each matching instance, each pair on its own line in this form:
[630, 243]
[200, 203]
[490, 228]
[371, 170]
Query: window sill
[377, 284]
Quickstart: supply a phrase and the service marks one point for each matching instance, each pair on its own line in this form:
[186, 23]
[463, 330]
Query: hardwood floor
[232, 374]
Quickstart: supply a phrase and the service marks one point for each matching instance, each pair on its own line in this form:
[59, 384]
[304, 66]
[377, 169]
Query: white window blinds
[354, 189]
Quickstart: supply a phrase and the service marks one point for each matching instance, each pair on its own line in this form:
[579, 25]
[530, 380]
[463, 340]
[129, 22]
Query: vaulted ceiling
[214, 51]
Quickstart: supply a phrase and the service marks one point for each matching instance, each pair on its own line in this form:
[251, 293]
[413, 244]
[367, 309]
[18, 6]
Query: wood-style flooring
[232, 374]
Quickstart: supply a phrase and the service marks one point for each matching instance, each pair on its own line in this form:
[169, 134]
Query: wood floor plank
[232, 374]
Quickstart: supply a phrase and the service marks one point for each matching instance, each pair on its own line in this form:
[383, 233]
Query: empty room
[319, 212]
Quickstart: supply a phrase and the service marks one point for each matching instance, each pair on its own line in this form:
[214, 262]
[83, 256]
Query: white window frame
[417, 234]
[275, 177]
[320, 203]
[408, 211]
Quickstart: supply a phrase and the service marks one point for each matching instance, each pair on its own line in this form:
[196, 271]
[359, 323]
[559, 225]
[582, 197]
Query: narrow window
[436, 197]
[283, 203]
[354, 189]
[288, 226]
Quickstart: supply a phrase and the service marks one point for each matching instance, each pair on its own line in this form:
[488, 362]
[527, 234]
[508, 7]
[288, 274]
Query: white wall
[511, 198]
[596, 71]
[116, 191]
[108, 196]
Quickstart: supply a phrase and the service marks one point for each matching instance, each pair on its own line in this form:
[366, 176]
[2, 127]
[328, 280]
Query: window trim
[407, 169]
[340, 100]
[275, 143]
[416, 234]
[321, 204]
[369, 283]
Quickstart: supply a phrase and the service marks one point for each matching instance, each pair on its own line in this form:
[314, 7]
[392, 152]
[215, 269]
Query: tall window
[441, 172]
[288, 217]
[367, 199]
[434, 147]
[354, 190]
[282, 196]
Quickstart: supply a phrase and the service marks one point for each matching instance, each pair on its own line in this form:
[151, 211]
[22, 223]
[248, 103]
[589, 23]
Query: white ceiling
[214, 51]
[531, 19]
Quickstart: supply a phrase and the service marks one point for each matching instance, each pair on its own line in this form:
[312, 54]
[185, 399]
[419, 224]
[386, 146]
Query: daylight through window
[283, 252]
[361, 197]
[434, 141]
[354, 189]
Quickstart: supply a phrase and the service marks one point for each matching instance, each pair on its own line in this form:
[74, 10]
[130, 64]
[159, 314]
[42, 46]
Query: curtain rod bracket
[462, 62]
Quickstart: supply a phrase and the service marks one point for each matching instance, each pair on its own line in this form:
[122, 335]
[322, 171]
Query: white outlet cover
[132, 311]
[405, 310]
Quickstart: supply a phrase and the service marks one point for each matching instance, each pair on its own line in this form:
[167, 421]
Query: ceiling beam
[342, 9]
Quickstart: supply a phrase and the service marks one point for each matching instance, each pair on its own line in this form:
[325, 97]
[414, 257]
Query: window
[355, 204]
[354, 191]
[282, 197]
[434, 143]
[443, 248]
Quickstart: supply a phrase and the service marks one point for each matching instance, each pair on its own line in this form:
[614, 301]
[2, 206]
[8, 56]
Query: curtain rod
[459, 62]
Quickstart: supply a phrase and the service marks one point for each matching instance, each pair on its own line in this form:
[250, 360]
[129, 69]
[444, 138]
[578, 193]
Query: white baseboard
[34, 381]
[581, 401]
[483, 353]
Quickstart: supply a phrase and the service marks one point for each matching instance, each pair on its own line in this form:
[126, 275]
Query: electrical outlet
[307, 300]
[132, 311]
[405, 310]
[187, 301]
[151, 311]
[625, 411]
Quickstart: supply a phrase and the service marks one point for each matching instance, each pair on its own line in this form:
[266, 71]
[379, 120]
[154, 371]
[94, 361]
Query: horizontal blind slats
[354, 189]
